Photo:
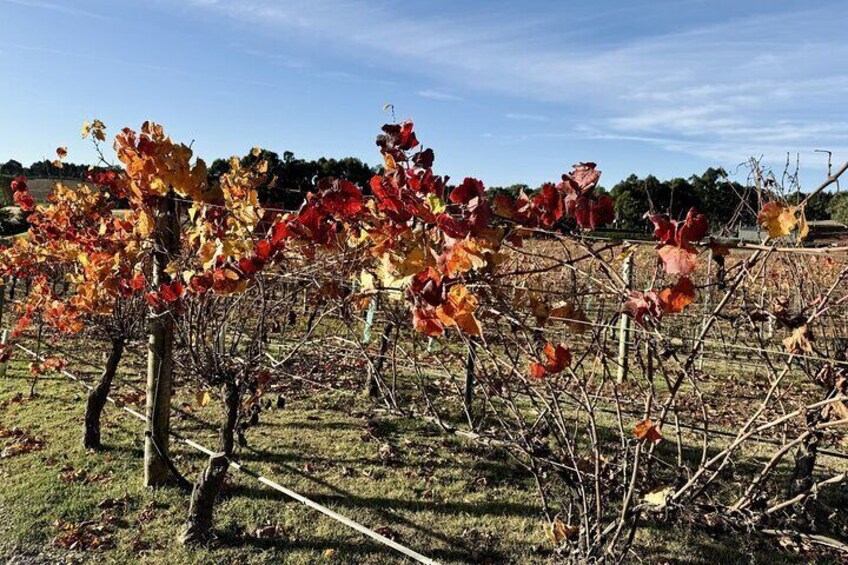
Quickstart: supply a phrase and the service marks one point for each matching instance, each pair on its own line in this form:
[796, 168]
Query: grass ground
[446, 498]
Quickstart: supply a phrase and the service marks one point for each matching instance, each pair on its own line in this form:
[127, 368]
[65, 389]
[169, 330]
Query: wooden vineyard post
[707, 300]
[624, 324]
[4, 336]
[160, 350]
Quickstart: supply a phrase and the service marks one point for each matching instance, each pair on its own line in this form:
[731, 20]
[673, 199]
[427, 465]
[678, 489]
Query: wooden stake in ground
[624, 324]
[160, 348]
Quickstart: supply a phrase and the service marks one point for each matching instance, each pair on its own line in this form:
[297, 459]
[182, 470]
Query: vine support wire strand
[412, 554]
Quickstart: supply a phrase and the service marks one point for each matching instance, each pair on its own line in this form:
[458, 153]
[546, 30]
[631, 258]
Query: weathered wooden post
[166, 240]
[705, 315]
[4, 336]
[624, 324]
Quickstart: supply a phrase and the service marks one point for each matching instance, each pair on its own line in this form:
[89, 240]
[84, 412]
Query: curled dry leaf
[800, 341]
[203, 398]
[555, 360]
[647, 430]
[575, 319]
[557, 531]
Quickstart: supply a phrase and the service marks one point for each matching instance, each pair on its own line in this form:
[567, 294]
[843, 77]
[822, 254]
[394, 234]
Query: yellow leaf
[391, 165]
[803, 227]
[659, 496]
[329, 553]
[256, 151]
[435, 203]
[777, 219]
[203, 398]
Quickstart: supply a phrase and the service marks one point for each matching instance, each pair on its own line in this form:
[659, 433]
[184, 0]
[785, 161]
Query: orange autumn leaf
[674, 299]
[555, 358]
[647, 430]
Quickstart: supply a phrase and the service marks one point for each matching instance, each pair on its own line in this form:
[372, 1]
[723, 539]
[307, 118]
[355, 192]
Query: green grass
[437, 494]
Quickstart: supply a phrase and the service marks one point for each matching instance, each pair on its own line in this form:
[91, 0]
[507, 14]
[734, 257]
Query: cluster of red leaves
[575, 197]
[109, 179]
[166, 297]
[588, 209]
[21, 195]
[670, 300]
[555, 359]
[675, 248]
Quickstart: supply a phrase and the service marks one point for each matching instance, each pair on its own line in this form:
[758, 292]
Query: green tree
[838, 207]
[11, 168]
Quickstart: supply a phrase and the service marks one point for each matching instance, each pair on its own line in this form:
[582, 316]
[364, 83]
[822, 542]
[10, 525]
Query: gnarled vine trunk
[198, 527]
[98, 395]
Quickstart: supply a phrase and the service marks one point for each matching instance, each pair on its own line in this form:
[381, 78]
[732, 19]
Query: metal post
[624, 324]
[369, 320]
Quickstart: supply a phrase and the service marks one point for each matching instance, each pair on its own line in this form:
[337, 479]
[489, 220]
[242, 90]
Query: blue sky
[505, 91]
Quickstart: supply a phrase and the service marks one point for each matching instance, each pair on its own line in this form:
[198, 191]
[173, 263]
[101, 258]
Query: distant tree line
[724, 202]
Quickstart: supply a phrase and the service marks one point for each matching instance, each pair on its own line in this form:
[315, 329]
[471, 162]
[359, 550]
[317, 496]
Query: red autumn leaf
[339, 197]
[451, 226]
[642, 304]
[589, 211]
[19, 184]
[171, 292]
[676, 251]
[263, 250]
[550, 205]
[583, 178]
[555, 359]
[504, 206]
[678, 260]
[467, 191]
[681, 234]
[24, 200]
[138, 282]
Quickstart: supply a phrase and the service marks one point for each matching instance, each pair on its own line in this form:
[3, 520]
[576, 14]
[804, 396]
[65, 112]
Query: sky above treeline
[509, 92]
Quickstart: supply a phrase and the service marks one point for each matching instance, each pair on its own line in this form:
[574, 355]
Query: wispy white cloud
[723, 90]
[438, 95]
[526, 117]
[281, 59]
[53, 7]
